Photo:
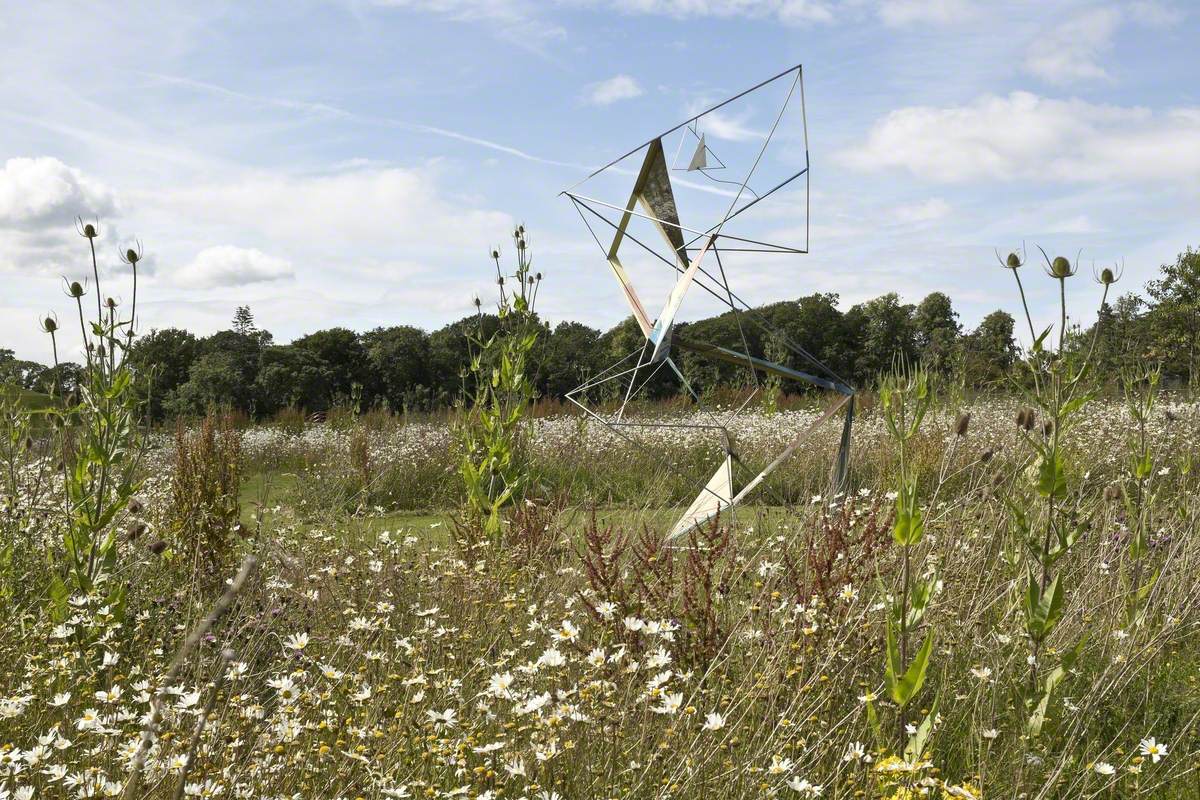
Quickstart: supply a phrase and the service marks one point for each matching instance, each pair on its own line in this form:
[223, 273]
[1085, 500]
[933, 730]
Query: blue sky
[352, 163]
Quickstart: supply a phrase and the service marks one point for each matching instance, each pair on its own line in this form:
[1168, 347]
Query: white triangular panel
[716, 496]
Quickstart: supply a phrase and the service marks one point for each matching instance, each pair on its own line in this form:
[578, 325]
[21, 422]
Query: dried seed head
[1107, 276]
[75, 289]
[1048, 428]
[49, 325]
[1022, 416]
[986, 455]
[962, 424]
[136, 529]
[478, 302]
[135, 506]
[1030, 419]
[538, 276]
[1112, 492]
[132, 256]
[89, 231]
[1013, 262]
[495, 254]
[110, 303]
[157, 547]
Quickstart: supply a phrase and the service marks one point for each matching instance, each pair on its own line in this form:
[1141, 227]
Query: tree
[1176, 314]
[884, 330]
[569, 357]
[990, 350]
[343, 351]
[936, 331]
[290, 375]
[449, 355]
[19, 372]
[163, 359]
[214, 379]
[243, 321]
[399, 357]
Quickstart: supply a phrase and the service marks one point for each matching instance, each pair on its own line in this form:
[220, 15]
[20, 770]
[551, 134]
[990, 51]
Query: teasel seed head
[1112, 492]
[986, 455]
[1013, 261]
[135, 506]
[136, 529]
[1048, 428]
[1061, 268]
[50, 325]
[157, 547]
[962, 424]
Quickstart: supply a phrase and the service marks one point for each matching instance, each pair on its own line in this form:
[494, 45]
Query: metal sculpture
[696, 258]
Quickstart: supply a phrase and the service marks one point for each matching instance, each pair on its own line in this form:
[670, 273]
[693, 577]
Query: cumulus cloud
[618, 87]
[44, 190]
[226, 265]
[1024, 136]
[390, 212]
[910, 12]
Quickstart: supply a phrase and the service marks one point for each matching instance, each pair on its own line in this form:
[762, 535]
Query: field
[379, 647]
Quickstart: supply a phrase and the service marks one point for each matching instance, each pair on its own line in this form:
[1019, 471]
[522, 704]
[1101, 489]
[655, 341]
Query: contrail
[327, 110]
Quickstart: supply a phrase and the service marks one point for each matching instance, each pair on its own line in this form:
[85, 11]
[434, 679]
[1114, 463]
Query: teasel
[90, 231]
[962, 424]
[132, 257]
[136, 529]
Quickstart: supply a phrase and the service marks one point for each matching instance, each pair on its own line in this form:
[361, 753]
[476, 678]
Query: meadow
[374, 650]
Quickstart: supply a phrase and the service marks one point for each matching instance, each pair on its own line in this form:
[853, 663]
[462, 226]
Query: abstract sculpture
[697, 258]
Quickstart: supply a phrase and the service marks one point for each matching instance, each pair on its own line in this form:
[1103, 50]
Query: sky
[354, 163]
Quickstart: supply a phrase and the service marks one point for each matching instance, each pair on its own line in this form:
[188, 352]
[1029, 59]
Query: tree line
[406, 368]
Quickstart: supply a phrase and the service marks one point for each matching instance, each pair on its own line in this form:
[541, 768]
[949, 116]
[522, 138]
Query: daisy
[1153, 750]
[297, 642]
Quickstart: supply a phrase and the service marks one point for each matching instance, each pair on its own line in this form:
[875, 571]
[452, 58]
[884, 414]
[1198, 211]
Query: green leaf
[1052, 479]
[1037, 343]
[917, 742]
[914, 677]
[1043, 607]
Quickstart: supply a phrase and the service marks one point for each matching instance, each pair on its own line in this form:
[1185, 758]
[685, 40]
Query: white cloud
[389, 213]
[516, 20]
[1024, 136]
[730, 128]
[931, 209]
[1072, 51]
[1154, 14]
[909, 12]
[618, 87]
[788, 11]
[226, 265]
[44, 190]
